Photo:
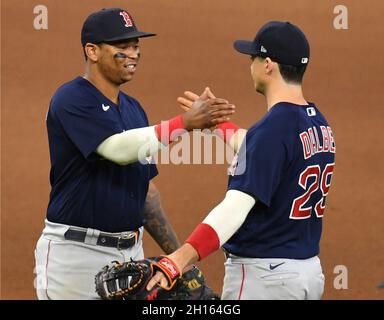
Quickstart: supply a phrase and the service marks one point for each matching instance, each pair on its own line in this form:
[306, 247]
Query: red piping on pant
[242, 281]
[46, 269]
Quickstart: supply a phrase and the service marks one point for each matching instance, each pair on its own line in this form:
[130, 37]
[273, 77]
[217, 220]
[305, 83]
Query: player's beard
[118, 74]
[123, 78]
[127, 75]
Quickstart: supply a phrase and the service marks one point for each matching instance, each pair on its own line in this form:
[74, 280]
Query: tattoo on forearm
[157, 223]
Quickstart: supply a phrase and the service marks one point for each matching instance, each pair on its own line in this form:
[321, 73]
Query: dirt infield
[194, 49]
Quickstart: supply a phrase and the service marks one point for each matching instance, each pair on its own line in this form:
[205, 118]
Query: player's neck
[284, 92]
[108, 89]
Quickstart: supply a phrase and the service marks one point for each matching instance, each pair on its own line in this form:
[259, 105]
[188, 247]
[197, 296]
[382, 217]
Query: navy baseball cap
[283, 42]
[110, 25]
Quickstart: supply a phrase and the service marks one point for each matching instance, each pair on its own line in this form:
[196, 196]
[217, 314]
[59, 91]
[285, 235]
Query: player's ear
[269, 66]
[92, 51]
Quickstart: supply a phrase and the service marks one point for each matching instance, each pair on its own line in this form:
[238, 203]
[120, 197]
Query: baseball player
[270, 221]
[101, 144]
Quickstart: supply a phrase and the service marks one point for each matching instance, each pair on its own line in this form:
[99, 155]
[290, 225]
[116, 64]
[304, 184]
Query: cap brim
[131, 35]
[245, 47]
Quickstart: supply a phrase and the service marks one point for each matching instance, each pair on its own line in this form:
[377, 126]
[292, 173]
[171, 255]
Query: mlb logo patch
[311, 112]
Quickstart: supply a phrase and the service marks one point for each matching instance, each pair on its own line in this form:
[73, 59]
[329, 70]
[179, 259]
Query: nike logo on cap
[105, 108]
[273, 267]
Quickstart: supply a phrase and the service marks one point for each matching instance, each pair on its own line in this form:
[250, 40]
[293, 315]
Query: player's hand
[190, 97]
[158, 279]
[205, 112]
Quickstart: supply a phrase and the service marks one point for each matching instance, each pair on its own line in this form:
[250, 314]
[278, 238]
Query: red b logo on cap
[127, 19]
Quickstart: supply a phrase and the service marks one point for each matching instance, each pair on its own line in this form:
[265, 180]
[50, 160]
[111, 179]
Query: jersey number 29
[322, 180]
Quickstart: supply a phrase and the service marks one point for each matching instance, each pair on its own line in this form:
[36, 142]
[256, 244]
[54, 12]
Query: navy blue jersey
[286, 164]
[87, 190]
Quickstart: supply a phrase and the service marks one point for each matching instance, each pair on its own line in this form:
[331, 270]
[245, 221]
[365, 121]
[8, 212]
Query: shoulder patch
[311, 112]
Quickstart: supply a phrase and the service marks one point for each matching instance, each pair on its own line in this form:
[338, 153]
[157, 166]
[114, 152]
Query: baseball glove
[128, 281]
[192, 285]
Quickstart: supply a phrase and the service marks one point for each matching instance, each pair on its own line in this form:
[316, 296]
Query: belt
[124, 241]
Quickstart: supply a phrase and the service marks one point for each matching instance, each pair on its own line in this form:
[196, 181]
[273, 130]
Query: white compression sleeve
[227, 217]
[130, 146]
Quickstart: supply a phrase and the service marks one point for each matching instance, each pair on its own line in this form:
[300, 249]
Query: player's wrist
[168, 131]
[169, 268]
[204, 240]
[226, 130]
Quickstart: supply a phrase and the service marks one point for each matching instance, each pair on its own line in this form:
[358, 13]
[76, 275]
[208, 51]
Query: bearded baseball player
[100, 144]
[270, 221]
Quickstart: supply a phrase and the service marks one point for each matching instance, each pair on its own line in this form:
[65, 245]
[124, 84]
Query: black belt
[124, 241]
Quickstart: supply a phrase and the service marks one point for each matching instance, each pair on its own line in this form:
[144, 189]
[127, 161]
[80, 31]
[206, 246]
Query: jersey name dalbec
[311, 141]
